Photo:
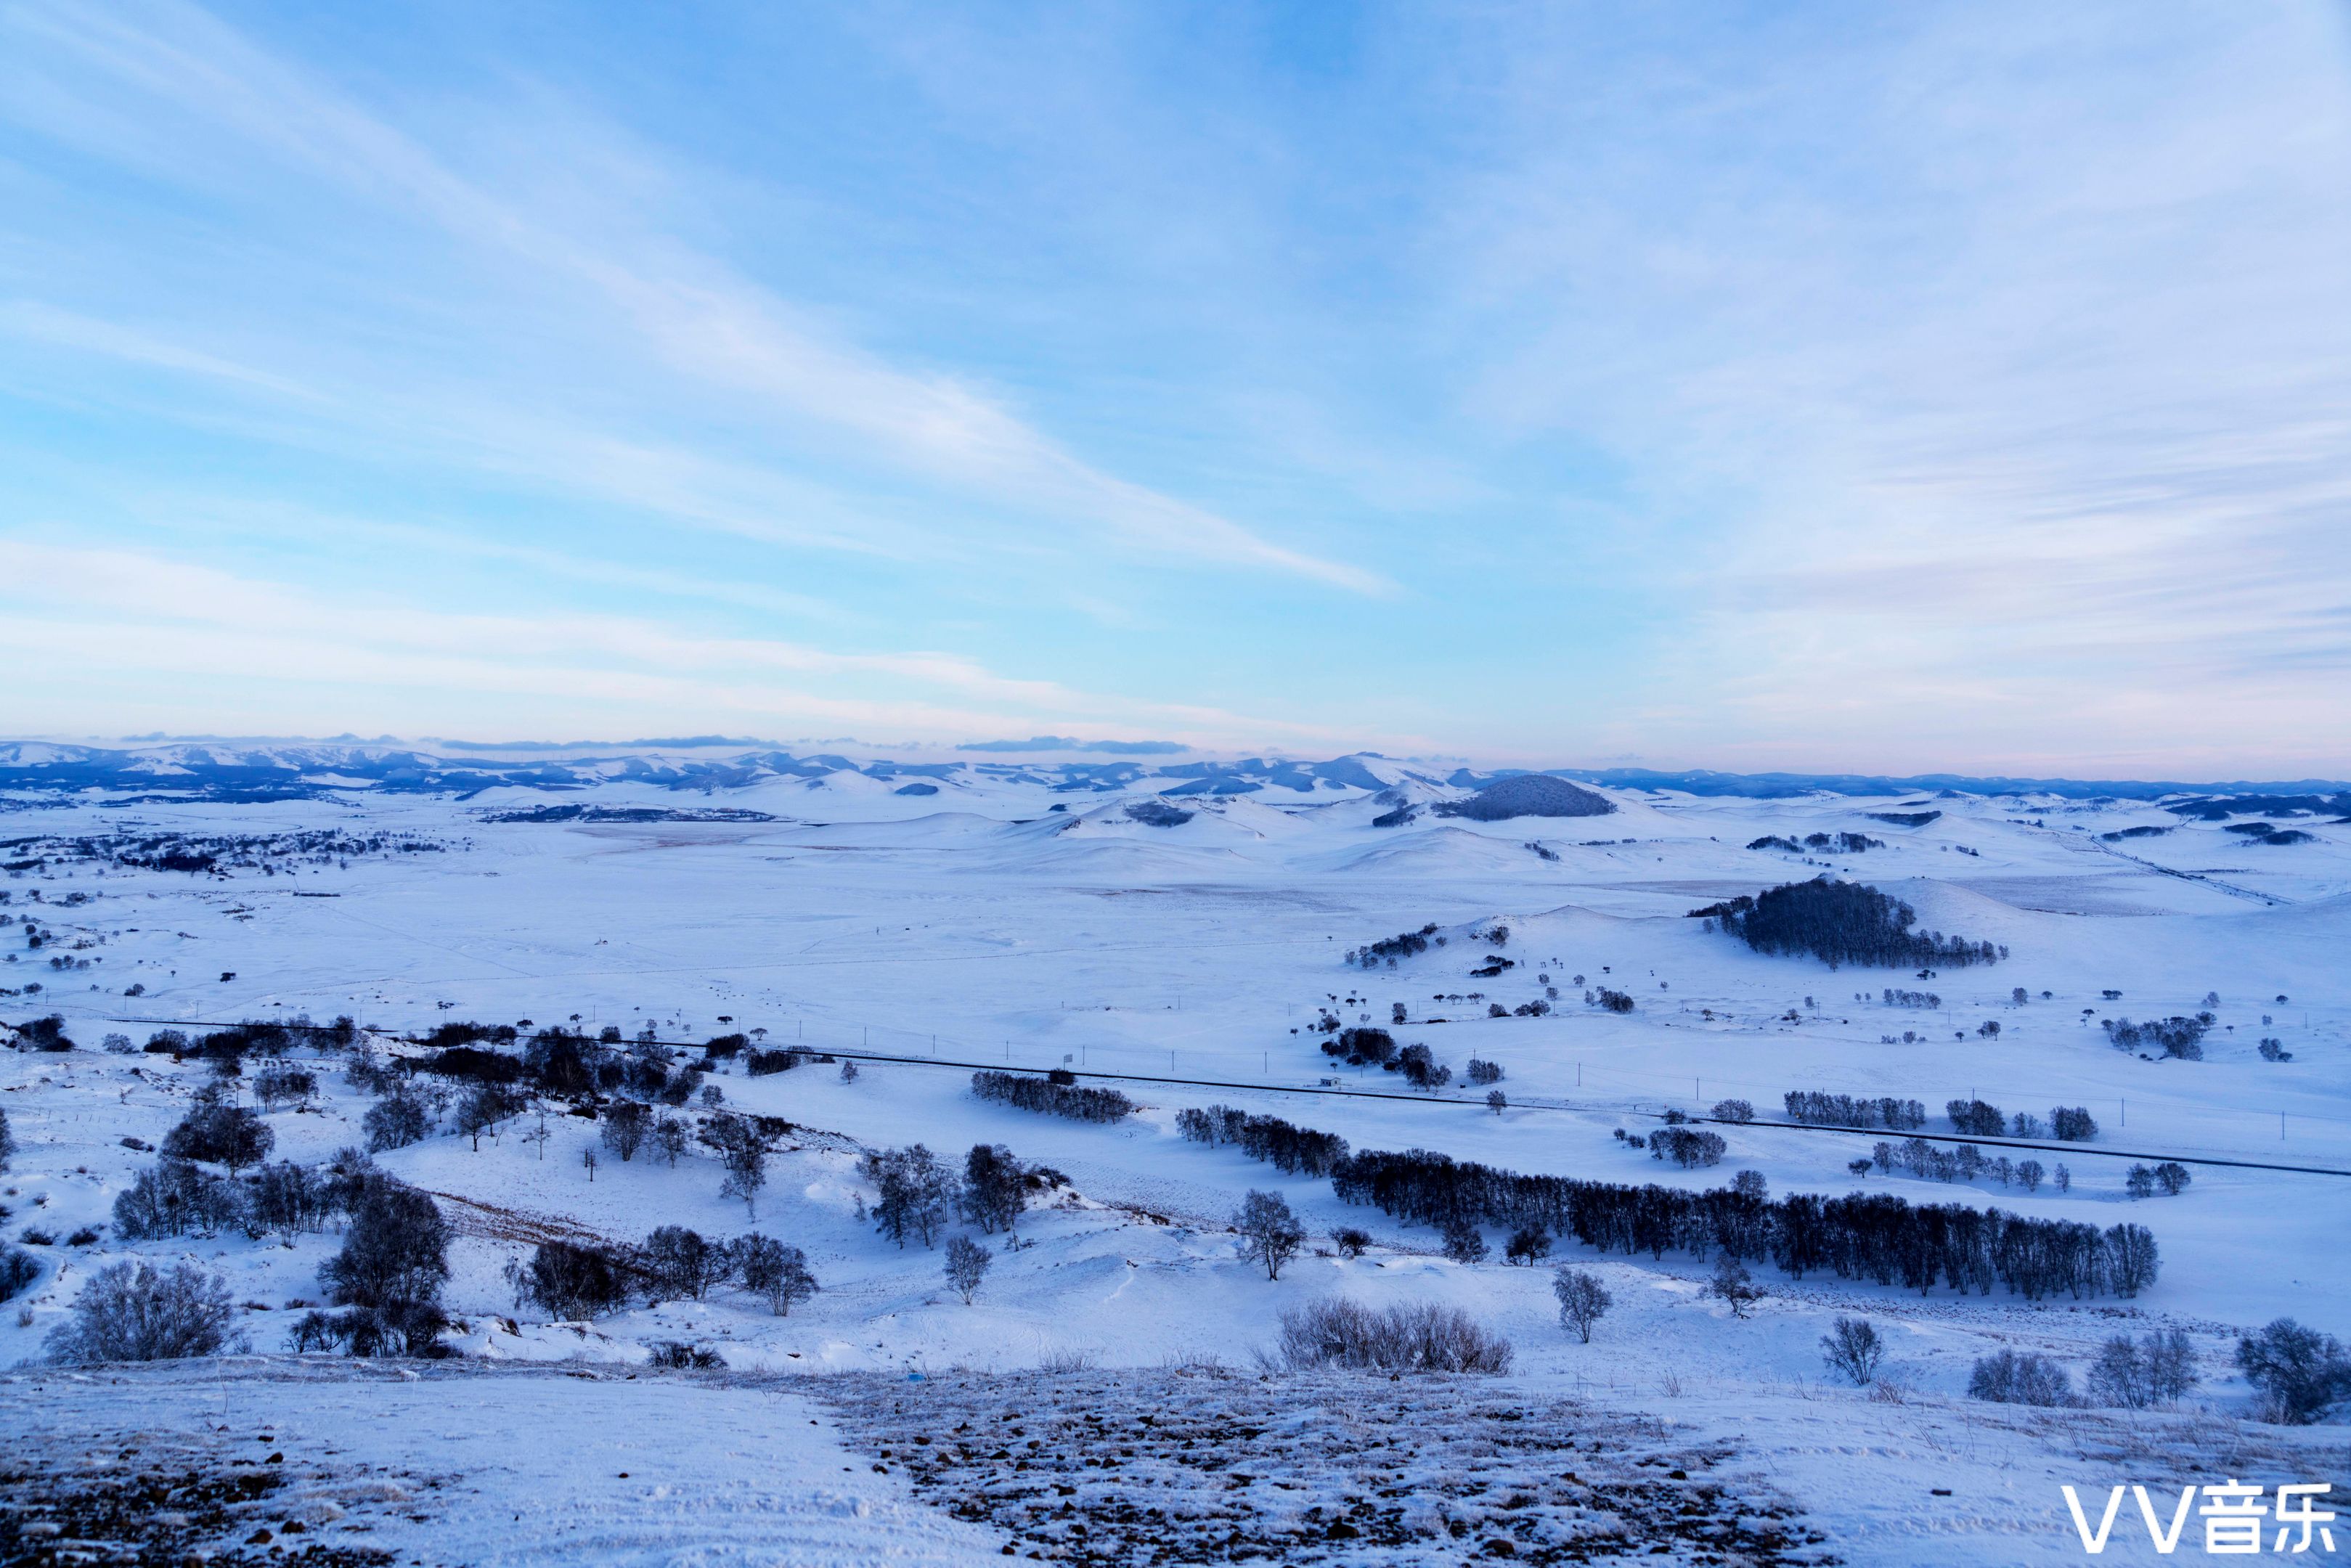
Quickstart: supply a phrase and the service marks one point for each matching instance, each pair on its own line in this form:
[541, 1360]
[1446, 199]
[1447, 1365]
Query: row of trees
[1405, 945]
[575, 1279]
[1298, 1151]
[1058, 1094]
[1816, 1109]
[1862, 1236]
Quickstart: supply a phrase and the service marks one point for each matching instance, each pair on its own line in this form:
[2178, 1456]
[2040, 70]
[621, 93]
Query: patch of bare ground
[147, 1497]
[1134, 1467]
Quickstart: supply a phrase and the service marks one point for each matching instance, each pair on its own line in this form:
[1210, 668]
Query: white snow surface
[983, 925]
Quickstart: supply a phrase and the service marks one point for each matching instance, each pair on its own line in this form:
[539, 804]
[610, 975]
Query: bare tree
[1583, 1300]
[966, 1265]
[1270, 1234]
[1734, 1285]
[1854, 1347]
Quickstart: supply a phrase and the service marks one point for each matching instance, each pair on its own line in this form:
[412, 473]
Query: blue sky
[1897, 388]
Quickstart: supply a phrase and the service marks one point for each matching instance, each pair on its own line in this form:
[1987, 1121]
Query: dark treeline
[1842, 922]
[1300, 1151]
[1816, 1109]
[1863, 1236]
[1052, 1096]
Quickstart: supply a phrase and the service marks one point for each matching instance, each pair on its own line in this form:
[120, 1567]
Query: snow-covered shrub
[133, 1311]
[1338, 1332]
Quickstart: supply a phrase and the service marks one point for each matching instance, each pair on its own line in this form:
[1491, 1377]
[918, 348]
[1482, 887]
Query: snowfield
[1020, 917]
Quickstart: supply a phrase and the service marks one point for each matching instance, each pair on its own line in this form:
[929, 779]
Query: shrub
[275, 1086]
[1350, 1241]
[1481, 1073]
[1465, 1243]
[133, 1311]
[1732, 1111]
[772, 1269]
[1854, 1347]
[395, 1328]
[1976, 1118]
[568, 1281]
[172, 1197]
[396, 1250]
[677, 1262]
[17, 1273]
[2010, 1378]
[1686, 1147]
[396, 1121]
[1733, 1285]
[2137, 1375]
[676, 1356]
[2302, 1373]
[1613, 1002]
[1337, 1332]
[230, 1136]
[2072, 1125]
[1528, 1245]
[1583, 1300]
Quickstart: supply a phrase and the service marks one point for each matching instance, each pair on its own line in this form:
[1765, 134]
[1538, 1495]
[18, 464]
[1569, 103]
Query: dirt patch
[1209, 1465]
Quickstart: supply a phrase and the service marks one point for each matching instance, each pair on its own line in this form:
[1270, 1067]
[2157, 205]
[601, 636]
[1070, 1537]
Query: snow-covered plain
[998, 919]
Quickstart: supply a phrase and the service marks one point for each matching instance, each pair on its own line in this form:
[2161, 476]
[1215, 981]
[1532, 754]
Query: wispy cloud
[695, 315]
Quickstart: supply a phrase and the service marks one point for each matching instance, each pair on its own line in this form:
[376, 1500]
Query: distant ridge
[274, 769]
